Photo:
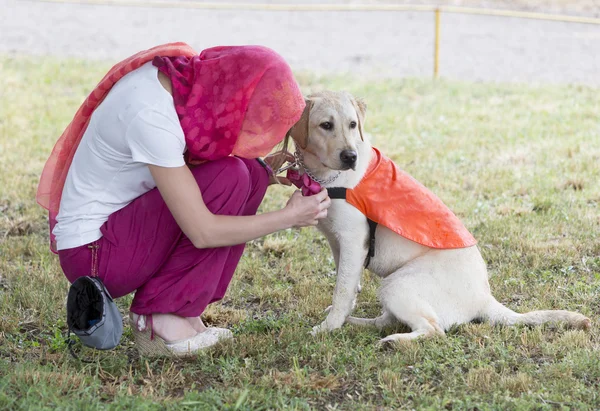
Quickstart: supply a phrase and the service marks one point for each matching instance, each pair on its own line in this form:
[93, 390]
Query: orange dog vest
[391, 197]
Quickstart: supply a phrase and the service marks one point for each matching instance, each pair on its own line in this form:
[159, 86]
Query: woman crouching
[155, 185]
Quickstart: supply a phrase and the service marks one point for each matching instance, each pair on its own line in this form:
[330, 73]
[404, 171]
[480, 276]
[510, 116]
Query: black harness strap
[371, 252]
[336, 193]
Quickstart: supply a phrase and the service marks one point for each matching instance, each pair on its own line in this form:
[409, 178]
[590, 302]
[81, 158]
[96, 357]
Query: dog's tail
[497, 313]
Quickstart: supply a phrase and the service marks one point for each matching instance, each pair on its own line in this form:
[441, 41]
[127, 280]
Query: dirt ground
[380, 44]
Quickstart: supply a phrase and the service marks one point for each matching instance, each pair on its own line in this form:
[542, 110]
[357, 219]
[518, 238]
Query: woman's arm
[180, 191]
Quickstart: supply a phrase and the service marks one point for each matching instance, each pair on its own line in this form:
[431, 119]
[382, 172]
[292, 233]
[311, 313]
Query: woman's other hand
[307, 211]
[275, 161]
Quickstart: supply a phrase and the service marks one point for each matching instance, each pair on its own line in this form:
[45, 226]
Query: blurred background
[367, 43]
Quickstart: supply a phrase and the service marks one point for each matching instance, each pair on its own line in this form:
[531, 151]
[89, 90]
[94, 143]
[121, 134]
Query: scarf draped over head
[239, 100]
[230, 100]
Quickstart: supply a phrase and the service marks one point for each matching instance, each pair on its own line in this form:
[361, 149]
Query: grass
[518, 164]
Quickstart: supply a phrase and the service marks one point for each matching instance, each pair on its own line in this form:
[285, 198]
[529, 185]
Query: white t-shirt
[135, 125]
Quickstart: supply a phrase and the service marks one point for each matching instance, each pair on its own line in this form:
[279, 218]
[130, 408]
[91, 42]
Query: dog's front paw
[324, 327]
[316, 330]
[321, 328]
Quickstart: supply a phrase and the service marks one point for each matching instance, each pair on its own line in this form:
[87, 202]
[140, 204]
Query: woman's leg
[190, 278]
[186, 259]
[259, 181]
[143, 248]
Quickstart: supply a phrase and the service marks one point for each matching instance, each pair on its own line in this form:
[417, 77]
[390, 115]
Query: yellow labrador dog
[425, 288]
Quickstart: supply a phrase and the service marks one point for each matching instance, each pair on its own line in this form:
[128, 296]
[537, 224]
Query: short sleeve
[154, 138]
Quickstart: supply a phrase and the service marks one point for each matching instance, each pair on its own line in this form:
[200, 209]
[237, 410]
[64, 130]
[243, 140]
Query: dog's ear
[361, 110]
[299, 131]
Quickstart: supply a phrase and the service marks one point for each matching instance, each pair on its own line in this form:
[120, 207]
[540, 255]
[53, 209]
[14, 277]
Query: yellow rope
[332, 7]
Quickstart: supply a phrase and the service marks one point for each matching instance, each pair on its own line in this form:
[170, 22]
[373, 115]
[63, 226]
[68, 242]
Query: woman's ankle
[197, 324]
[169, 327]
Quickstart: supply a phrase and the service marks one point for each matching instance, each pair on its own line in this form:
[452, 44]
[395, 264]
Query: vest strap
[336, 193]
[371, 253]
[339, 193]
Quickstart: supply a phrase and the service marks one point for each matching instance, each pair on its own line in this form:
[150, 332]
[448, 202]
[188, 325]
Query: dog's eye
[353, 124]
[326, 125]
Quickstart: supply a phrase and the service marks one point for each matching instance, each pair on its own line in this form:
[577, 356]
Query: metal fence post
[436, 51]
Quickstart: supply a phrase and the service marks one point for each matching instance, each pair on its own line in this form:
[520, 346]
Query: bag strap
[103, 289]
[70, 343]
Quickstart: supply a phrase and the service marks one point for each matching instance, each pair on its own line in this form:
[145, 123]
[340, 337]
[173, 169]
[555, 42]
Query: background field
[519, 164]
[363, 44]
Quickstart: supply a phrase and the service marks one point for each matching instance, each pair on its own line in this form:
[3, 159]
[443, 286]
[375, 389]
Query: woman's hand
[307, 211]
[275, 161]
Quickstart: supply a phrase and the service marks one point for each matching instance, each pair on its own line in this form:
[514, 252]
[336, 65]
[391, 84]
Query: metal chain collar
[300, 161]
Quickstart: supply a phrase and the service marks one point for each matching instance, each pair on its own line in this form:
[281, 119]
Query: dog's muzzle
[348, 158]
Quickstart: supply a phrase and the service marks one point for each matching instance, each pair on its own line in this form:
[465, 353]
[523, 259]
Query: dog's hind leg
[380, 322]
[421, 326]
[400, 299]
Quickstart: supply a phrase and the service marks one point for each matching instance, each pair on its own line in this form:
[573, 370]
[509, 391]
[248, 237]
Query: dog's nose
[348, 157]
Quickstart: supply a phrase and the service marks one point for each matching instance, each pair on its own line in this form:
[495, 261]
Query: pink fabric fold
[307, 185]
[238, 100]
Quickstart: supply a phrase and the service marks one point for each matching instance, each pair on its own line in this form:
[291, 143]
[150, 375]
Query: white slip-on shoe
[223, 333]
[199, 342]
[153, 345]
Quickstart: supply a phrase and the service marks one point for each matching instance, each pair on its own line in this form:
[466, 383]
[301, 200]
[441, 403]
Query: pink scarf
[230, 100]
[239, 100]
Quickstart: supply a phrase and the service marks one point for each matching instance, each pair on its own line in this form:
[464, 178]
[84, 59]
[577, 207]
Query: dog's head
[330, 130]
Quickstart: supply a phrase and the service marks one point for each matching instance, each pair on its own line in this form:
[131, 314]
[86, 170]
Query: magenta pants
[142, 248]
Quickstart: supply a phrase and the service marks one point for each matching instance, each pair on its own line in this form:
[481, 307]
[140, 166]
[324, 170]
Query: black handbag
[92, 315]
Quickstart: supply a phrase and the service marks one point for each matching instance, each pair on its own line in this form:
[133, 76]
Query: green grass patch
[518, 164]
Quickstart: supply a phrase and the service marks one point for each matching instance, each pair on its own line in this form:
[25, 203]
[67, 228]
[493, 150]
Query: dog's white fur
[427, 289]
